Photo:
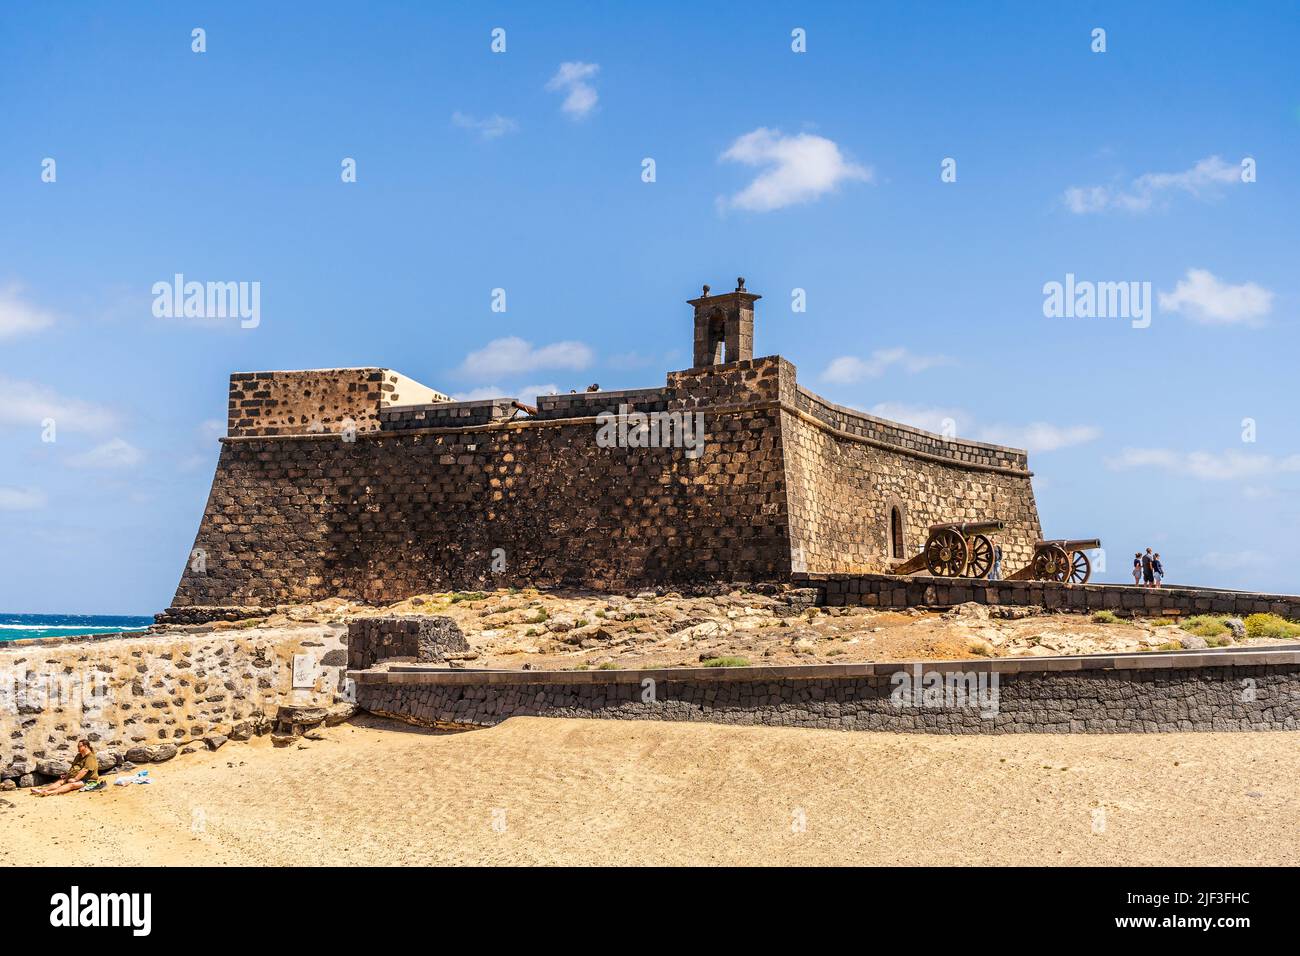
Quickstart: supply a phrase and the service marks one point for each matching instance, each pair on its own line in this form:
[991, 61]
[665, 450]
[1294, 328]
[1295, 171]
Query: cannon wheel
[1080, 568]
[1051, 563]
[981, 556]
[946, 554]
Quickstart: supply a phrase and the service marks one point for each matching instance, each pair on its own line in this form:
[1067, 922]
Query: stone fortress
[361, 483]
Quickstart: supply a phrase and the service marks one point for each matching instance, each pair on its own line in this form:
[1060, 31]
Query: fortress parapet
[318, 401]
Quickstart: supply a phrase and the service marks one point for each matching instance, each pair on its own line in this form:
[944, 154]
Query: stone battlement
[324, 401]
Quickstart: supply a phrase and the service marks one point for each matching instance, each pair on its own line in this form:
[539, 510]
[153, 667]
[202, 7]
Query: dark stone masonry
[895, 591]
[1150, 693]
[422, 638]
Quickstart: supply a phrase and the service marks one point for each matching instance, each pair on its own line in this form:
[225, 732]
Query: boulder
[137, 755]
[7, 785]
[241, 731]
[214, 741]
[162, 752]
[27, 780]
[1236, 626]
[1191, 642]
[53, 768]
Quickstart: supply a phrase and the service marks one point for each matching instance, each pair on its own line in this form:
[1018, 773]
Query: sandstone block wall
[1064, 695]
[148, 691]
[845, 471]
[294, 403]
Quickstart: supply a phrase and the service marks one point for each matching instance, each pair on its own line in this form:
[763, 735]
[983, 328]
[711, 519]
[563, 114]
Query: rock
[214, 741]
[53, 768]
[337, 713]
[138, 755]
[14, 771]
[970, 611]
[162, 752]
[107, 760]
[189, 748]
[284, 740]
[241, 731]
[1191, 642]
[7, 785]
[27, 780]
[1236, 626]
[126, 765]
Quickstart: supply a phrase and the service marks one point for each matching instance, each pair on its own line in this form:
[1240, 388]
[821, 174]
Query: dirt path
[588, 792]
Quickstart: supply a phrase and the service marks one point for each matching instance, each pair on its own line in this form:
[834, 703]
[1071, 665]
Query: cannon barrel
[967, 528]
[1072, 544]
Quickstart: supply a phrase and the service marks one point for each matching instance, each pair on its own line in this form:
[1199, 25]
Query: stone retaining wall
[143, 697]
[1148, 693]
[412, 637]
[883, 590]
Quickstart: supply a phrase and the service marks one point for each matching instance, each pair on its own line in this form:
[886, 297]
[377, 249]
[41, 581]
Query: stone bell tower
[724, 326]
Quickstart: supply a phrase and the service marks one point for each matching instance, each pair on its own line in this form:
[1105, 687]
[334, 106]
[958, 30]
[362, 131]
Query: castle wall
[391, 514]
[845, 470]
[292, 403]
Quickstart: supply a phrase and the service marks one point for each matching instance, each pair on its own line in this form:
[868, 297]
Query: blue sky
[817, 171]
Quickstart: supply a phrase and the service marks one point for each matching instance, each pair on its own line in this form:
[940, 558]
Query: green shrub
[1270, 625]
[725, 662]
[1105, 617]
[608, 666]
[459, 596]
[1205, 625]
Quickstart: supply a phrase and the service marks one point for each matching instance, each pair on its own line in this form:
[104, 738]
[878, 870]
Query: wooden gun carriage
[1060, 559]
[955, 549]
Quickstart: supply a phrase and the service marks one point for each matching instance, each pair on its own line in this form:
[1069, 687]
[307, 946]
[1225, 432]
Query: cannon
[1062, 560]
[956, 549]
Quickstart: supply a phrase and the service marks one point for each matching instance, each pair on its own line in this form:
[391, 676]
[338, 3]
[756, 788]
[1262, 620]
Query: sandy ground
[587, 792]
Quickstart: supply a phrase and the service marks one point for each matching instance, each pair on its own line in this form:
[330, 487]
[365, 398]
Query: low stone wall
[410, 637]
[884, 590]
[1147, 693]
[144, 697]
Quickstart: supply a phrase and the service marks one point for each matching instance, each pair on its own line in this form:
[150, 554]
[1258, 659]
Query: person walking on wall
[1159, 569]
[1137, 569]
[1148, 570]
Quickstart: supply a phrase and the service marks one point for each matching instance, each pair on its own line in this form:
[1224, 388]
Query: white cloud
[524, 394]
[1206, 178]
[926, 419]
[848, 369]
[1227, 466]
[512, 355]
[21, 499]
[28, 404]
[573, 79]
[1206, 299]
[798, 169]
[1038, 436]
[1034, 437]
[117, 453]
[18, 317]
[490, 127]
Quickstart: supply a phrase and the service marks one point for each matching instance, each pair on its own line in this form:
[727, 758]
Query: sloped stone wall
[150, 695]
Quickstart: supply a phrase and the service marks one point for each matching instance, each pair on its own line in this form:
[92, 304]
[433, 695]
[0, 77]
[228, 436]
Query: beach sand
[589, 792]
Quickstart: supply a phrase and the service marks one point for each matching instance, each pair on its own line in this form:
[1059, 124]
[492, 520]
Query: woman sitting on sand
[84, 770]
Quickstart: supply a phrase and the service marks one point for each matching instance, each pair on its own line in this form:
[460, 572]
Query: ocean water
[18, 627]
